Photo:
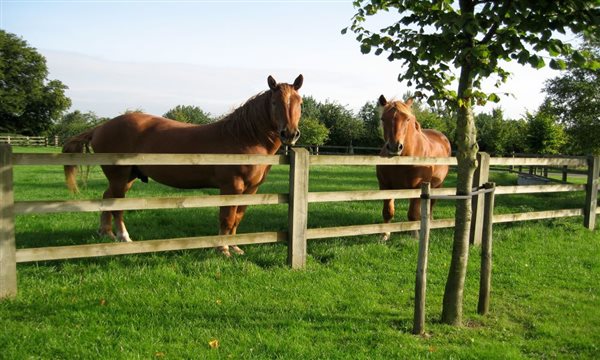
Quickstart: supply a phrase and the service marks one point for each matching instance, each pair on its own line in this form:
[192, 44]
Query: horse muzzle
[289, 137]
[394, 149]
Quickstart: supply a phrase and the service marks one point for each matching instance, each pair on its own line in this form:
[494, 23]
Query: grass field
[354, 300]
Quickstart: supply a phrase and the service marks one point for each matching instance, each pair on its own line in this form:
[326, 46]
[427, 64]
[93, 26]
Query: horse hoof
[384, 238]
[124, 237]
[237, 250]
[109, 234]
[225, 251]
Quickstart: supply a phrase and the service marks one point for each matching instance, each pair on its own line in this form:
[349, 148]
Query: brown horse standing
[259, 126]
[403, 136]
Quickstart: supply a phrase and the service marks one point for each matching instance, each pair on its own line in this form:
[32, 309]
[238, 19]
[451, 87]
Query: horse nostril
[400, 147]
[297, 135]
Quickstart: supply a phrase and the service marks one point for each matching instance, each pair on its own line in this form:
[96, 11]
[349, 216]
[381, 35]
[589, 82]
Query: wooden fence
[18, 140]
[298, 200]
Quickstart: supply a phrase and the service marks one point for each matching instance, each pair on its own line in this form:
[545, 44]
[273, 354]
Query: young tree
[30, 102]
[312, 132]
[544, 134]
[189, 114]
[433, 38]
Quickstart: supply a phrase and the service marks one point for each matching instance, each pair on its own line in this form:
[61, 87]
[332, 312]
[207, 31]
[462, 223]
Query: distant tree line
[568, 122]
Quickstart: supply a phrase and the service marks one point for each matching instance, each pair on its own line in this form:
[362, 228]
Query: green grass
[354, 300]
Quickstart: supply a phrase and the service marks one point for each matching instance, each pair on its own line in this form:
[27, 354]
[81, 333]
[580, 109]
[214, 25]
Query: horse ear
[409, 101]
[382, 101]
[272, 83]
[298, 82]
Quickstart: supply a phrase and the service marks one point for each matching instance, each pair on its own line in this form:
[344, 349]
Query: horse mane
[250, 118]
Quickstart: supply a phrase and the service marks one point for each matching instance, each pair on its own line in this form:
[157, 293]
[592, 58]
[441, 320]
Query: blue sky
[154, 55]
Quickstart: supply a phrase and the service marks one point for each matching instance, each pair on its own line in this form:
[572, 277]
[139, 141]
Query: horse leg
[120, 181]
[388, 215]
[228, 218]
[414, 214]
[238, 217]
[106, 219]
[122, 233]
[241, 210]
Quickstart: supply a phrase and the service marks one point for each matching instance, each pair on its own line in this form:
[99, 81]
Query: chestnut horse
[259, 126]
[403, 136]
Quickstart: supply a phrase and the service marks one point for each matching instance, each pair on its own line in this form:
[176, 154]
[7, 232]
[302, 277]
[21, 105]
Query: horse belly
[182, 177]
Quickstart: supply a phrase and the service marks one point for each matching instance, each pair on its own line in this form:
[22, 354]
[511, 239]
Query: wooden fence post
[421, 278]
[480, 177]
[298, 207]
[485, 279]
[591, 193]
[8, 261]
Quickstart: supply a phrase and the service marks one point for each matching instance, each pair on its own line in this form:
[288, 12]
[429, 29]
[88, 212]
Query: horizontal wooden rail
[537, 215]
[378, 160]
[40, 207]
[148, 159]
[36, 207]
[532, 189]
[355, 230]
[538, 161]
[140, 247]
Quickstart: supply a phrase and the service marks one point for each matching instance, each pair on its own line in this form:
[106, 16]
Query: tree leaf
[558, 64]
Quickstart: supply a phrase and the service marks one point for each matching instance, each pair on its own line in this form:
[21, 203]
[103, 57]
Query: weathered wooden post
[8, 261]
[421, 278]
[485, 279]
[481, 176]
[56, 140]
[298, 207]
[564, 173]
[591, 193]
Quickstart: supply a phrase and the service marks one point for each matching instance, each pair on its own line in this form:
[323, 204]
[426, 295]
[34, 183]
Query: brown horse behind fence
[403, 136]
[260, 126]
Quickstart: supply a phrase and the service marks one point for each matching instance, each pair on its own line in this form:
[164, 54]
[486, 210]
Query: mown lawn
[354, 300]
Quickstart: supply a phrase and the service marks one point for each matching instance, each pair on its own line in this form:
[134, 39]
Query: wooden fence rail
[18, 140]
[298, 200]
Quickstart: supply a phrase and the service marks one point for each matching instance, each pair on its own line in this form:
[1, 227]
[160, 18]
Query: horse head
[285, 108]
[398, 122]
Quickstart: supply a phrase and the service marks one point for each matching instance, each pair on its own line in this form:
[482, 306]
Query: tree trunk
[467, 163]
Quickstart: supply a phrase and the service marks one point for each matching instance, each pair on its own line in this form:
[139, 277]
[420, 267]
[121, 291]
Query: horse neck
[251, 124]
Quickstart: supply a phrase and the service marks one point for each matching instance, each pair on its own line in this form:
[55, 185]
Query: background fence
[18, 140]
[298, 200]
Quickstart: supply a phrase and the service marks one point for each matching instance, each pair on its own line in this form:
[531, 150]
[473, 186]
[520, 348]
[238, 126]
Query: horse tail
[77, 144]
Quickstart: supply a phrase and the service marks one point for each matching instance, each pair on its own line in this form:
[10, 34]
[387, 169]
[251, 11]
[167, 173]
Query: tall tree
[29, 101]
[493, 132]
[189, 114]
[433, 38]
[574, 98]
[373, 134]
[344, 128]
[73, 123]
